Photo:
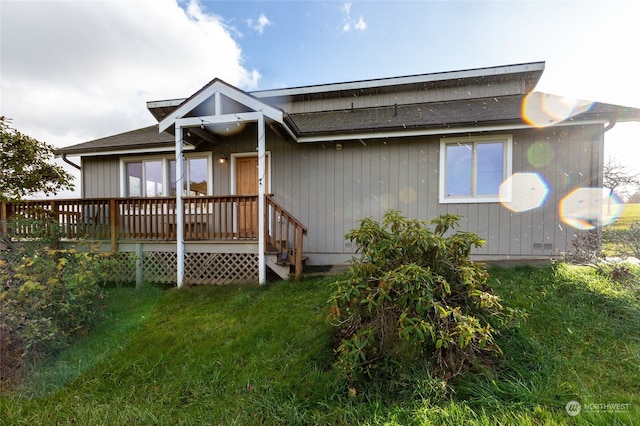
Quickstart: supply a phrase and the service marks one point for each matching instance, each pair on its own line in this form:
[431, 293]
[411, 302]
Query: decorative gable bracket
[200, 108]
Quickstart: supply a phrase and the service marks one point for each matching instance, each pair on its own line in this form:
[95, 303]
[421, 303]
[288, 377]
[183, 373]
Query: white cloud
[75, 71]
[260, 24]
[360, 25]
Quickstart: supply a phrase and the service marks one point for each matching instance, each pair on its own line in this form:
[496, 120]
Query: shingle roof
[145, 138]
[447, 114]
[433, 115]
[506, 110]
[423, 115]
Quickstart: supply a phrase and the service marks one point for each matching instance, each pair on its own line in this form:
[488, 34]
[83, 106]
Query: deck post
[262, 262]
[4, 217]
[139, 265]
[298, 251]
[179, 207]
[113, 225]
[54, 222]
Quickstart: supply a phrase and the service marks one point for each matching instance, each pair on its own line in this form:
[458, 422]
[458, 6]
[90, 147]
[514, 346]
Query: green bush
[47, 297]
[412, 297]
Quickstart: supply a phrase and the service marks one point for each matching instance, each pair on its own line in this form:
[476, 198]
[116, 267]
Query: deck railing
[284, 234]
[206, 218]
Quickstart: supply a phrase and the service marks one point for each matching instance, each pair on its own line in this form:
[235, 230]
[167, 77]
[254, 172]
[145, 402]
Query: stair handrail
[282, 244]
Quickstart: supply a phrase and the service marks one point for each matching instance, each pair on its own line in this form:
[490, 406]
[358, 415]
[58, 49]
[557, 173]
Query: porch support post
[262, 265]
[179, 208]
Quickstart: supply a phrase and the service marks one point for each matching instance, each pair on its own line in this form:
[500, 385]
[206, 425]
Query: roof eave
[442, 129]
[531, 67]
[138, 149]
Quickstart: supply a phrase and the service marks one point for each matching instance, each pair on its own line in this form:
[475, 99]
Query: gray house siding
[330, 191]
[100, 177]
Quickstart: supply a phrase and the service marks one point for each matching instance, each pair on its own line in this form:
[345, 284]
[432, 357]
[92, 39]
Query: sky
[73, 71]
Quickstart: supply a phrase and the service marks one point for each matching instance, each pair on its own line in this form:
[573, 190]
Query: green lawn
[630, 213]
[244, 354]
[620, 239]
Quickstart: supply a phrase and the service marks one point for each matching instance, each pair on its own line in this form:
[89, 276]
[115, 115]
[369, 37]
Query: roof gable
[218, 98]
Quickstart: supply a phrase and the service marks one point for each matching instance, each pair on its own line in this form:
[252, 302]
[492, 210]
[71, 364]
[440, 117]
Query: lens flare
[543, 109]
[589, 208]
[388, 201]
[540, 154]
[523, 191]
[408, 195]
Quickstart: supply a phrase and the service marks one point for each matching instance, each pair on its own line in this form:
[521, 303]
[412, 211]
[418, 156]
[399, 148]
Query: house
[263, 171]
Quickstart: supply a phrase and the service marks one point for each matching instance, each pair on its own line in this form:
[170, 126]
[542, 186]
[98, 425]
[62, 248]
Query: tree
[634, 198]
[26, 167]
[619, 178]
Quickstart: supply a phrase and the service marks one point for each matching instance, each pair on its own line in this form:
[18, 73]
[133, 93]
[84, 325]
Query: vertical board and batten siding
[343, 100]
[330, 191]
[100, 177]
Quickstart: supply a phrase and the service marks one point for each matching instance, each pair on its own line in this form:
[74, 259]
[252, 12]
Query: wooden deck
[215, 219]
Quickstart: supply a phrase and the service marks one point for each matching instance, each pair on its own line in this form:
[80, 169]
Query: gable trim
[215, 89]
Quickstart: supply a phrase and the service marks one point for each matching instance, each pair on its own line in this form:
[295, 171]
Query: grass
[127, 313]
[630, 213]
[243, 354]
[619, 238]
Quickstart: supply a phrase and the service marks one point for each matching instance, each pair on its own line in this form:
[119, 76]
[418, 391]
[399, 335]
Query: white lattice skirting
[200, 268]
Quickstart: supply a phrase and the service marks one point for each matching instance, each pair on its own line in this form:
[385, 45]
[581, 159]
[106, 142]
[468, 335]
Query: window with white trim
[472, 168]
[144, 178]
[156, 176]
[195, 181]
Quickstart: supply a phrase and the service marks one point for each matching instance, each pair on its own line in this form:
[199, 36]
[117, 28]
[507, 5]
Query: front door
[247, 184]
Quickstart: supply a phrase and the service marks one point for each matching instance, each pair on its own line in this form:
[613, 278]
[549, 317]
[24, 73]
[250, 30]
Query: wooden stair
[282, 264]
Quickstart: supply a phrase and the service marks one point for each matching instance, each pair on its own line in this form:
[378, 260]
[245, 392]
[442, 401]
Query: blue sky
[306, 42]
[72, 71]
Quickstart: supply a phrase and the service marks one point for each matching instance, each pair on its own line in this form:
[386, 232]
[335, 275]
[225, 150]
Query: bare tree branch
[620, 178]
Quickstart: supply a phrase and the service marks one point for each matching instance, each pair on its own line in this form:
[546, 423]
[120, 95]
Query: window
[144, 178]
[195, 182]
[472, 169]
[156, 177]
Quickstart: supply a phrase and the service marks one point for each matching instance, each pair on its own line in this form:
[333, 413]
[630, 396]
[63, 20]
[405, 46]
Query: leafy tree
[414, 297]
[25, 166]
[619, 178]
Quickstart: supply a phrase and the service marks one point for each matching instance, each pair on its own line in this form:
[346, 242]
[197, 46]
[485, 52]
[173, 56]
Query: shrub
[414, 296]
[47, 297]
[625, 242]
[605, 250]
